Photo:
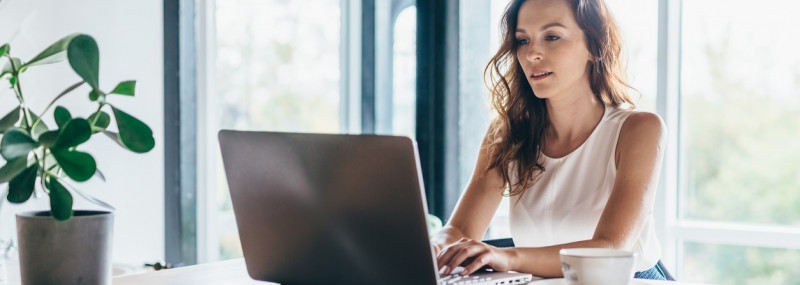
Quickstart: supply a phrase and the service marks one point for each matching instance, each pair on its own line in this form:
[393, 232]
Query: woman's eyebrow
[554, 24]
[545, 27]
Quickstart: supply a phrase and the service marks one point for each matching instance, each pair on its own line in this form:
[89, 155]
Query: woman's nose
[533, 53]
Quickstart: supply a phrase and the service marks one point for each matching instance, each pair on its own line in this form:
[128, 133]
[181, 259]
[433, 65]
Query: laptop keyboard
[458, 279]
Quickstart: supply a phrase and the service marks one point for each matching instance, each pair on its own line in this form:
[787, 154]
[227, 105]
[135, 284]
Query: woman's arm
[640, 150]
[475, 208]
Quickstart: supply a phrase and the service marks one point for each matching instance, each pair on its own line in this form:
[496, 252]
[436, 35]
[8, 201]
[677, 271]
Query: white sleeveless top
[565, 204]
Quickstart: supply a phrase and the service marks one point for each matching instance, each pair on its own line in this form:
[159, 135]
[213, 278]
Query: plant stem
[25, 110]
[44, 167]
[94, 121]
[52, 166]
[18, 91]
[52, 175]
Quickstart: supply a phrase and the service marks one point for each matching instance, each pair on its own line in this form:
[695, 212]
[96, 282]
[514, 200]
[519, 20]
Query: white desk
[234, 272]
[221, 272]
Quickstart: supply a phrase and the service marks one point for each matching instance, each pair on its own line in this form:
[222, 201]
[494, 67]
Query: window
[404, 87]
[638, 22]
[277, 68]
[396, 67]
[744, 68]
[729, 264]
[288, 66]
[740, 80]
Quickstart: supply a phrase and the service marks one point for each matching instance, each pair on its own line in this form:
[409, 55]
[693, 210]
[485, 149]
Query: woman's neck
[573, 118]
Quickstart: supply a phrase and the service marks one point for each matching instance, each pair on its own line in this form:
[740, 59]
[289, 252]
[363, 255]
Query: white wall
[129, 34]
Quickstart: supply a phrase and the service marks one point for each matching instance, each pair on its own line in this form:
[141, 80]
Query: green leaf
[16, 143]
[12, 80]
[40, 127]
[48, 138]
[9, 120]
[12, 168]
[62, 116]
[54, 53]
[125, 88]
[95, 94]
[135, 135]
[60, 200]
[8, 68]
[20, 187]
[79, 166]
[100, 175]
[102, 122]
[115, 137]
[4, 49]
[75, 132]
[84, 57]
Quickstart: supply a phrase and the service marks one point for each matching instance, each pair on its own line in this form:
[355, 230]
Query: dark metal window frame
[437, 102]
[180, 133]
[368, 66]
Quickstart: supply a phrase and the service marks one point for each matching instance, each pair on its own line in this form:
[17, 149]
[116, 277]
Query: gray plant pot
[77, 251]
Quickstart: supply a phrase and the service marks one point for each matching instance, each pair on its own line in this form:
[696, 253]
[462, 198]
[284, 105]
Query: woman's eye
[522, 41]
[552, 38]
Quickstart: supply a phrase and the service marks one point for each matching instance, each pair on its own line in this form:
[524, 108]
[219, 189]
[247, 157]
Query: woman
[580, 167]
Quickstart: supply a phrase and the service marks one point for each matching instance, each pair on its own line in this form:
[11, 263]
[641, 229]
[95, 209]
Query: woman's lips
[540, 75]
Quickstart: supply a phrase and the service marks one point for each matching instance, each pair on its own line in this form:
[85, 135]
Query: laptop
[334, 209]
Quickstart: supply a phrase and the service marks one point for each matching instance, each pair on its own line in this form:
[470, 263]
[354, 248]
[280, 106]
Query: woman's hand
[473, 255]
[437, 248]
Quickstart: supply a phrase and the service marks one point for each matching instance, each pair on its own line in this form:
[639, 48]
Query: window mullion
[668, 107]
[737, 234]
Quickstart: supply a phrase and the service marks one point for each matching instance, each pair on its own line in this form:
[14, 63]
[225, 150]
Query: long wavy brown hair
[516, 133]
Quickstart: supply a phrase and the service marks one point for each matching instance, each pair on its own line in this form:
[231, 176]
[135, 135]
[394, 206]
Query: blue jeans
[654, 273]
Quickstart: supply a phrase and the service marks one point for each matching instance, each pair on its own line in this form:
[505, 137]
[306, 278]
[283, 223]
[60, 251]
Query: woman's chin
[541, 94]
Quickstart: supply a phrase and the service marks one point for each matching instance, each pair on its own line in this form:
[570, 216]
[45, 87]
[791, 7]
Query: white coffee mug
[589, 266]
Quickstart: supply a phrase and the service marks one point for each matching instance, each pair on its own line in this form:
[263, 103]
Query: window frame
[180, 133]
[438, 89]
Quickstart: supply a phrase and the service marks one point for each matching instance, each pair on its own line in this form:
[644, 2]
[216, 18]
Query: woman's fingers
[446, 254]
[473, 255]
[460, 254]
[437, 249]
[463, 255]
[479, 261]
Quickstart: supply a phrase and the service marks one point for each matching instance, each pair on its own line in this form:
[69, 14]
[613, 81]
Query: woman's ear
[592, 58]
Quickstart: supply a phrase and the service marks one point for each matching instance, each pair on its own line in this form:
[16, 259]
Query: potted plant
[62, 245]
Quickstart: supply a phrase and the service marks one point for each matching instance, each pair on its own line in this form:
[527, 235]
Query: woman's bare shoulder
[642, 128]
[642, 123]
